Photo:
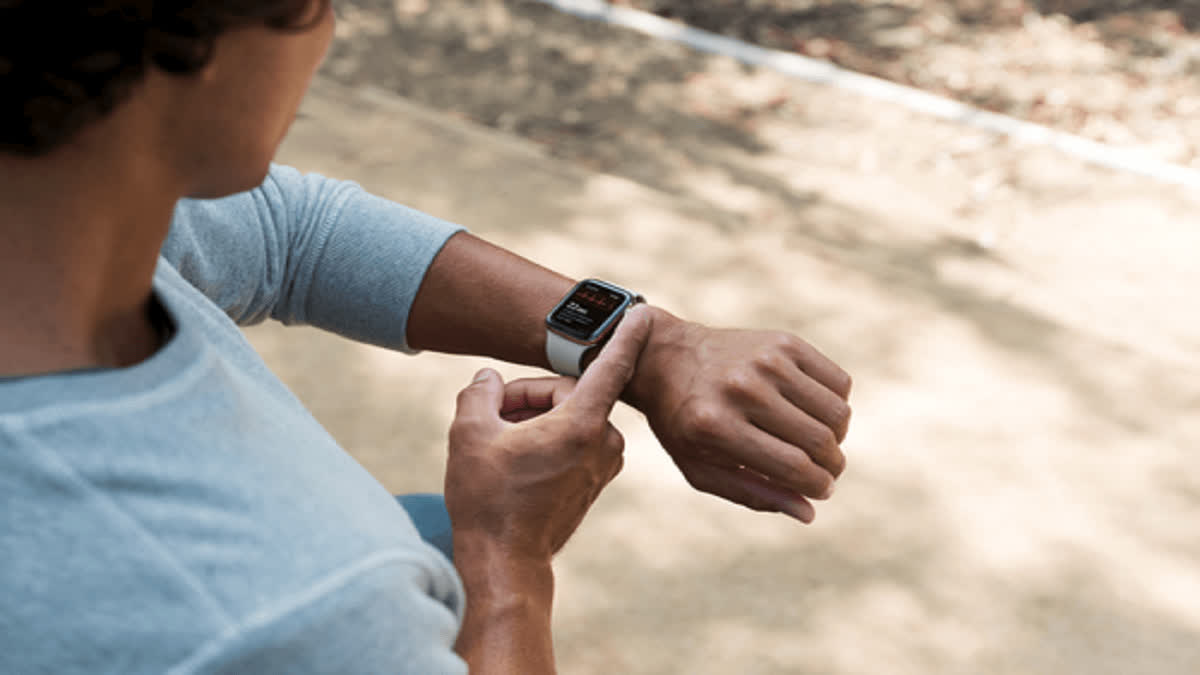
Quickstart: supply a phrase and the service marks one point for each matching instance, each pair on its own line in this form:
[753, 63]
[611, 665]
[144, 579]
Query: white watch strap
[564, 355]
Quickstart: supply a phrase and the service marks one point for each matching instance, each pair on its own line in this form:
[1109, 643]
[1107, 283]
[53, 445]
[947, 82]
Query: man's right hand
[527, 460]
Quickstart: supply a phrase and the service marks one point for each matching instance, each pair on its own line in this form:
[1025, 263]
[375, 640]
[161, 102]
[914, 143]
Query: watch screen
[587, 310]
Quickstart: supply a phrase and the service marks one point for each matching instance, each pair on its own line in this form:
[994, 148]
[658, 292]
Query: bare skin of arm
[527, 460]
[480, 299]
[755, 417]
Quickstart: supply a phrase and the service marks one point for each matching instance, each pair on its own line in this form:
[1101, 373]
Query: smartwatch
[580, 324]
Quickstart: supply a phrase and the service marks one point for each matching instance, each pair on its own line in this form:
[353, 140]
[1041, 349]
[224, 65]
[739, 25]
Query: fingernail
[482, 375]
[829, 490]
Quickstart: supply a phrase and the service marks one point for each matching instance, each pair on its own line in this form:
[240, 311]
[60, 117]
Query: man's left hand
[755, 417]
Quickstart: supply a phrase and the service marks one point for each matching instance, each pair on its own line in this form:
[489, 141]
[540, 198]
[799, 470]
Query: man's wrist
[509, 600]
[496, 569]
[668, 337]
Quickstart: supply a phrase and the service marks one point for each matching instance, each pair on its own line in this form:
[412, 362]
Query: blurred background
[1021, 495]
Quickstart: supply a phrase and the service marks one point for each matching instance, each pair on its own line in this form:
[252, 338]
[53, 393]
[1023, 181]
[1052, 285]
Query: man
[169, 506]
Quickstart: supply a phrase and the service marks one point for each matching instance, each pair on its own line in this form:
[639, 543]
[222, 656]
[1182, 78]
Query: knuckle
[771, 363]
[823, 438]
[810, 479]
[824, 486]
[741, 385]
[703, 423]
[841, 415]
[616, 442]
[847, 382]
[837, 464]
[617, 464]
[462, 398]
[787, 343]
[826, 453]
[608, 472]
[800, 472]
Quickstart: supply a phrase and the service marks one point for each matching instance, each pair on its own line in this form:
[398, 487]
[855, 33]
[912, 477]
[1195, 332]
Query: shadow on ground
[1117, 72]
[588, 94]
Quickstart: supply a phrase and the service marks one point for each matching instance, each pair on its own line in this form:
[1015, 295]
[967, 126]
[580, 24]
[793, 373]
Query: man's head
[235, 69]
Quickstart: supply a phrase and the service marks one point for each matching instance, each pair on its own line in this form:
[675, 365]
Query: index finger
[602, 383]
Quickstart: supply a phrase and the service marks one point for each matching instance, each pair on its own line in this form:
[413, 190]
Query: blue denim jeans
[428, 513]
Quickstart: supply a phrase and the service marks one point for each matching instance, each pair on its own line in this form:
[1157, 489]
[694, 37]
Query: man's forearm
[477, 298]
[480, 299]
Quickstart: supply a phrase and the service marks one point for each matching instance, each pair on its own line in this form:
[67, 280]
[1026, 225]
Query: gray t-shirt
[187, 514]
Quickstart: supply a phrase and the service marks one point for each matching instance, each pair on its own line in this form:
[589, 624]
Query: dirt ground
[1123, 72]
[1021, 327]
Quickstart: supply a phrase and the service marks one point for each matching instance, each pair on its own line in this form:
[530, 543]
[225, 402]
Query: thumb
[602, 383]
[483, 398]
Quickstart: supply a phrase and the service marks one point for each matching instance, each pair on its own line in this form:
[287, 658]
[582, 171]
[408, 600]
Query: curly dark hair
[67, 63]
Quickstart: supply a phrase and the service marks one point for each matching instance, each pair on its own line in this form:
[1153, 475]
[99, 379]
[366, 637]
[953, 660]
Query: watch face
[589, 311]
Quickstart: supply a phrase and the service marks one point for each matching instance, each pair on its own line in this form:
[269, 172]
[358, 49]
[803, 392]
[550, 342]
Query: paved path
[1021, 496]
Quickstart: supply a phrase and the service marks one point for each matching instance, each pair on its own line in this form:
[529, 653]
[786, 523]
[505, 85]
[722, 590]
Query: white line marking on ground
[822, 72]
